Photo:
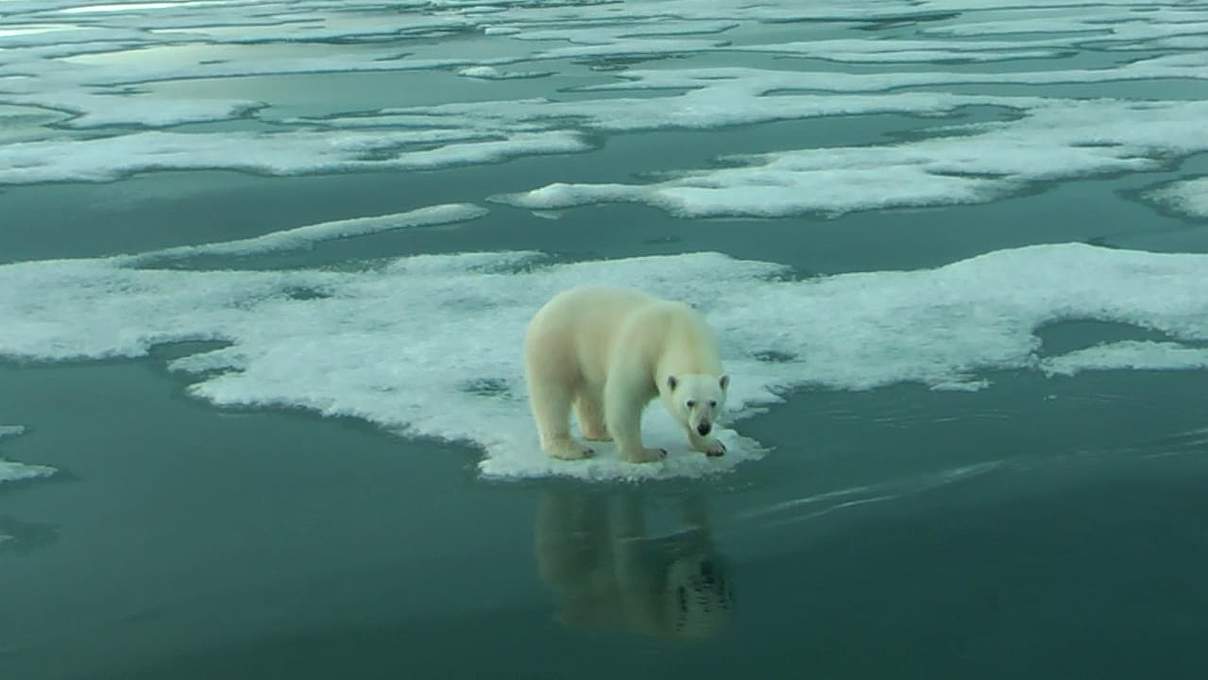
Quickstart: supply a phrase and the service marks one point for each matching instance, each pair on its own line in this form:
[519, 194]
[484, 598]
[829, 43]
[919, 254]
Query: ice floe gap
[17, 472]
[429, 346]
[308, 236]
[1056, 140]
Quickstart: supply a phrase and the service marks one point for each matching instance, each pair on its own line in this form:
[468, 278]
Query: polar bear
[609, 352]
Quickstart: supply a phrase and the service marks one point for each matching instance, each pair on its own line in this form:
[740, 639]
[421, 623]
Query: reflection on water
[595, 552]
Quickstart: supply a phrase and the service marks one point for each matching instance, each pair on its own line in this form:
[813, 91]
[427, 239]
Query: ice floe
[890, 51]
[20, 472]
[17, 472]
[1131, 354]
[428, 346]
[1056, 140]
[763, 81]
[303, 237]
[282, 153]
[99, 62]
[11, 430]
[1189, 197]
[492, 73]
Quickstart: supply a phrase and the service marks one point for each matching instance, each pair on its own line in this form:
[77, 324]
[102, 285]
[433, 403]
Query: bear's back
[593, 309]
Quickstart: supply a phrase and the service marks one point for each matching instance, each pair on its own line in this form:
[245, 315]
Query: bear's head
[696, 400]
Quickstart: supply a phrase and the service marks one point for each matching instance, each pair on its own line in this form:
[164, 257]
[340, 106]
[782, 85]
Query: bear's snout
[704, 428]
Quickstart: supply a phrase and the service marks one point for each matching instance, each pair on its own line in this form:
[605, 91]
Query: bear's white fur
[609, 352]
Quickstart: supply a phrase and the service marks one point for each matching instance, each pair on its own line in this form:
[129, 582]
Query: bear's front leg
[623, 414]
[627, 433]
[710, 446]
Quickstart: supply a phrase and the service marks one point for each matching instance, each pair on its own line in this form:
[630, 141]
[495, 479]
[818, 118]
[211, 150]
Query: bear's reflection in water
[594, 552]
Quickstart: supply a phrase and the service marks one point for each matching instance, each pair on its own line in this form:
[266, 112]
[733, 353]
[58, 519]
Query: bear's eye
[691, 404]
[713, 404]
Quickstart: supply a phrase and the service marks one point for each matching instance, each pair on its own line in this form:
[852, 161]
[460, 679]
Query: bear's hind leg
[589, 408]
[551, 403]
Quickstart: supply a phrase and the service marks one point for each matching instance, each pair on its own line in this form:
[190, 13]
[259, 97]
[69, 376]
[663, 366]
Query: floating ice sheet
[105, 8]
[1189, 197]
[20, 472]
[304, 237]
[890, 51]
[429, 346]
[764, 81]
[16, 472]
[1131, 354]
[717, 106]
[11, 430]
[1124, 25]
[492, 73]
[94, 110]
[93, 61]
[282, 153]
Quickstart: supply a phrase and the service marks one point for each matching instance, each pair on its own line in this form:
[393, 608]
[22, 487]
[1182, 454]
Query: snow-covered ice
[1189, 197]
[99, 65]
[1056, 140]
[1132, 354]
[429, 345]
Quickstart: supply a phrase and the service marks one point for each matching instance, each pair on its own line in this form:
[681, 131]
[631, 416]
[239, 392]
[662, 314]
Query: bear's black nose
[703, 429]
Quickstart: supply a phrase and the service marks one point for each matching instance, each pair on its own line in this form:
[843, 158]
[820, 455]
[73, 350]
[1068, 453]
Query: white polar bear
[609, 352]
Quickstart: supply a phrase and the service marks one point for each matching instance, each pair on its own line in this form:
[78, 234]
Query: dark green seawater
[1043, 527]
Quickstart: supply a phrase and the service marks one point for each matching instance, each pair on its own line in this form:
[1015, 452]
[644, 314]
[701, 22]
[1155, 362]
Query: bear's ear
[672, 382]
[725, 382]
